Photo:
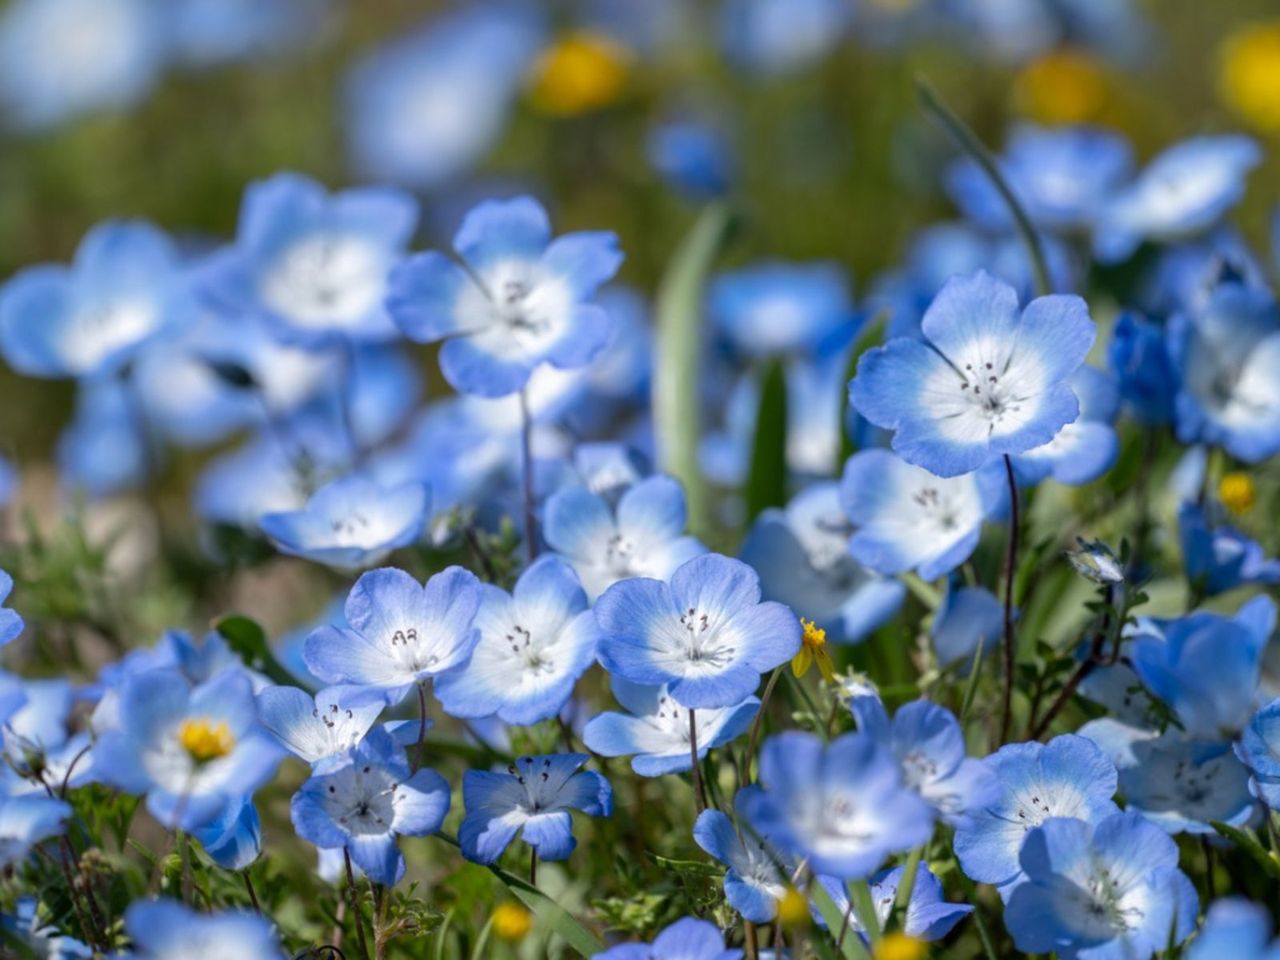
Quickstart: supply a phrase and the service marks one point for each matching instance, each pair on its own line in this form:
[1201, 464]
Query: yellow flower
[1249, 74]
[813, 648]
[1062, 87]
[581, 73]
[511, 922]
[1237, 492]
[899, 946]
[793, 908]
[204, 740]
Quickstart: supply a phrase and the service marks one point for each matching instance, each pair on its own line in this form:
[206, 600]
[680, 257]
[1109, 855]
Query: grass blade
[767, 479]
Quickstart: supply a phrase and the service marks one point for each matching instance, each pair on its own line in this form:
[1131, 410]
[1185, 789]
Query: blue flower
[986, 380]
[317, 728]
[781, 36]
[522, 299]
[1182, 192]
[802, 556]
[11, 623]
[314, 265]
[1218, 557]
[26, 820]
[967, 617]
[1184, 786]
[841, 806]
[1259, 750]
[399, 632]
[1206, 667]
[643, 536]
[535, 797]
[60, 59]
[928, 743]
[928, 917]
[686, 939]
[32, 926]
[1062, 178]
[1139, 356]
[692, 156]
[906, 518]
[366, 799]
[780, 308]
[125, 287]
[234, 839]
[1101, 890]
[1085, 449]
[1237, 929]
[103, 450]
[351, 522]
[1227, 354]
[1067, 777]
[755, 881]
[705, 634]
[656, 729]
[535, 643]
[425, 107]
[190, 750]
[212, 32]
[167, 930]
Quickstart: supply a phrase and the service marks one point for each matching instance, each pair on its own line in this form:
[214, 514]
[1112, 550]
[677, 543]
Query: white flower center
[361, 799]
[327, 279]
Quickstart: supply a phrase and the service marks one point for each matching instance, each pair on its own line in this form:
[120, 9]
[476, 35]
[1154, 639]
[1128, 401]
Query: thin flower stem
[250, 889]
[422, 726]
[1010, 574]
[526, 478]
[699, 788]
[357, 915]
[844, 926]
[751, 940]
[754, 736]
[1086, 667]
[533, 866]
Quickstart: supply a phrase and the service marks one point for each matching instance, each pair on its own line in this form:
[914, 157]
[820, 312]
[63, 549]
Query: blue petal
[503, 229]
[422, 296]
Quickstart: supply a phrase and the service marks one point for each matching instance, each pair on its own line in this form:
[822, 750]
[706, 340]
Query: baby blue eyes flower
[1259, 750]
[351, 522]
[686, 939]
[1139, 356]
[643, 536]
[125, 287]
[705, 634]
[535, 796]
[842, 807]
[986, 381]
[775, 37]
[11, 623]
[399, 632]
[167, 930]
[1227, 354]
[234, 839]
[1109, 889]
[366, 799]
[655, 732]
[313, 265]
[316, 728]
[1083, 450]
[1182, 192]
[692, 156]
[1235, 928]
[1186, 786]
[1067, 777]
[755, 881]
[906, 518]
[928, 916]
[26, 820]
[1218, 557]
[520, 298]
[535, 643]
[780, 308]
[968, 617]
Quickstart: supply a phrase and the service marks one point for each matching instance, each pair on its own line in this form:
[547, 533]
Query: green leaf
[975, 671]
[864, 908]
[767, 479]
[906, 885]
[249, 642]
[678, 347]
[1250, 844]
[852, 948]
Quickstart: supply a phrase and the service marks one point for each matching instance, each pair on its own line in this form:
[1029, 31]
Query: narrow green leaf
[851, 948]
[1250, 844]
[906, 885]
[975, 670]
[971, 896]
[864, 908]
[249, 642]
[678, 346]
[767, 479]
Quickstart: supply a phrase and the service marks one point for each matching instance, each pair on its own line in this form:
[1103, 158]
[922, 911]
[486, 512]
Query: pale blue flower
[780, 308]
[168, 930]
[1235, 928]
[686, 939]
[928, 916]
[1218, 557]
[1085, 449]
[756, 879]
[315, 729]
[1183, 786]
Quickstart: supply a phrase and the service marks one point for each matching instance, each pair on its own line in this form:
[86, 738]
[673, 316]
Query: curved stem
[357, 915]
[1010, 574]
[422, 726]
[251, 890]
[699, 788]
[754, 736]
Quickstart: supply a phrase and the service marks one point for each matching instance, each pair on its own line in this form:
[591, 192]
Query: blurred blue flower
[206, 33]
[313, 264]
[643, 536]
[535, 798]
[1061, 177]
[687, 939]
[125, 287]
[31, 926]
[535, 643]
[11, 623]
[1236, 928]
[168, 930]
[350, 523]
[1182, 192]
[1085, 449]
[1184, 786]
[1105, 889]
[315, 729]
[232, 840]
[906, 518]
[967, 617]
[1227, 355]
[928, 916]
[802, 556]
[1139, 356]
[25, 821]
[705, 634]
[781, 308]
[1218, 557]
[400, 632]
[365, 800]
[1067, 777]
[987, 381]
[104, 451]
[692, 156]
[1259, 750]
[755, 881]
[519, 299]
[60, 59]
[427, 106]
[655, 730]
[781, 36]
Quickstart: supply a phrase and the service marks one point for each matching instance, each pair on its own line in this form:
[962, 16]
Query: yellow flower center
[815, 638]
[581, 73]
[204, 740]
[1237, 492]
[1062, 87]
[511, 922]
[793, 908]
[1249, 75]
[899, 946]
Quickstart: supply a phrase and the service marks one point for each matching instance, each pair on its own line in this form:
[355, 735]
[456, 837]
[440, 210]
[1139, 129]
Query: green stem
[906, 886]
